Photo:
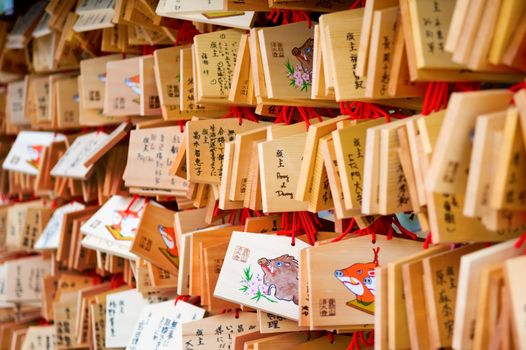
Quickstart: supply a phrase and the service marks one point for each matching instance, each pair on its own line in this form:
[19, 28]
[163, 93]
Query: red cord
[428, 240]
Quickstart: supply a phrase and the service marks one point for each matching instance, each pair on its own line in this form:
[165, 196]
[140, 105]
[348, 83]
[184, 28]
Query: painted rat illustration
[281, 275]
[304, 54]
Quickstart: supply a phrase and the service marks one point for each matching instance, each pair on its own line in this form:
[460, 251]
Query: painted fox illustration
[168, 235]
[359, 279]
[35, 154]
[134, 83]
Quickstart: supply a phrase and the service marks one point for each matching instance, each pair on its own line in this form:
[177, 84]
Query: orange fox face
[168, 235]
[359, 279]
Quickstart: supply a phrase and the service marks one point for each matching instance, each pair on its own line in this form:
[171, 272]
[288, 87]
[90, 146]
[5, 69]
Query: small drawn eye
[359, 272]
[308, 50]
[279, 263]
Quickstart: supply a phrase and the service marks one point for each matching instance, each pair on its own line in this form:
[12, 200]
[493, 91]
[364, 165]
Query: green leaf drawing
[248, 274]
[289, 67]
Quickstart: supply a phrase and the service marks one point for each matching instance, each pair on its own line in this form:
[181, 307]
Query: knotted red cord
[437, 94]
[134, 199]
[428, 240]
[436, 97]
[302, 222]
[288, 114]
[181, 123]
[363, 110]
[518, 86]
[520, 241]
[357, 4]
[289, 16]
[182, 297]
[376, 261]
[148, 49]
[186, 33]
[345, 232]
[330, 336]
[242, 113]
[117, 280]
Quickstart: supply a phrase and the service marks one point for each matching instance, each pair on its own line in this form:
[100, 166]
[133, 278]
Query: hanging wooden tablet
[241, 160]
[448, 168]
[420, 45]
[508, 192]
[365, 33]
[321, 195]
[50, 237]
[15, 103]
[343, 42]
[155, 239]
[149, 97]
[37, 337]
[213, 257]
[350, 159]
[412, 280]
[335, 181]
[397, 312]
[167, 75]
[66, 232]
[268, 268]
[153, 150]
[115, 222]
[342, 293]
[270, 323]
[214, 331]
[216, 54]
[318, 69]
[71, 164]
[252, 198]
[260, 89]
[516, 49]
[478, 57]
[205, 142]
[513, 267]
[121, 96]
[23, 272]
[287, 49]
[113, 138]
[123, 310]
[315, 132]
[508, 19]
[371, 168]
[393, 190]
[208, 237]
[422, 137]
[242, 87]
[404, 157]
[15, 217]
[400, 83]
[471, 266]
[154, 317]
[440, 286]
[279, 161]
[93, 77]
[429, 47]
[224, 202]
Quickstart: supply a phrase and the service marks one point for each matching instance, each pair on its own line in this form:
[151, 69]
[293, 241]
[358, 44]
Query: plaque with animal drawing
[299, 72]
[117, 219]
[261, 271]
[343, 281]
[287, 54]
[359, 279]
